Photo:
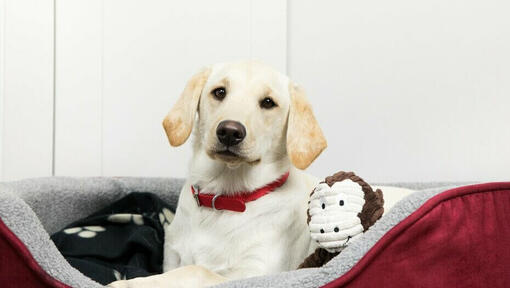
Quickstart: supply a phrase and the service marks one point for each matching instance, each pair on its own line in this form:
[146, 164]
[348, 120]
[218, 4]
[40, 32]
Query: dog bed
[436, 237]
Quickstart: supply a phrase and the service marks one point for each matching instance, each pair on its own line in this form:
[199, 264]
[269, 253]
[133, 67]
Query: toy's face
[334, 214]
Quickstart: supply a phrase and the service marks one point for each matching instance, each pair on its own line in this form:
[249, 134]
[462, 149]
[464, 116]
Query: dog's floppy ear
[305, 140]
[179, 121]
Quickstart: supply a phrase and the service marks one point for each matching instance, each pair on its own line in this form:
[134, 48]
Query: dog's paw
[183, 277]
[141, 282]
[119, 284]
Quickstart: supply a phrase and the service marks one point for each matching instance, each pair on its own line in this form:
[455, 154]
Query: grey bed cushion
[35, 208]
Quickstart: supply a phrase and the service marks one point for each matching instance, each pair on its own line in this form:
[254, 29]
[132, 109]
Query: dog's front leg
[171, 259]
[187, 276]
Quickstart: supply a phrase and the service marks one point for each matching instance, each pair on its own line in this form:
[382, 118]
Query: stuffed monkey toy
[340, 209]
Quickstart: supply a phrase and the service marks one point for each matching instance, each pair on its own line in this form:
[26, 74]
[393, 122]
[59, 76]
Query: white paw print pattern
[118, 275]
[165, 217]
[126, 218]
[85, 231]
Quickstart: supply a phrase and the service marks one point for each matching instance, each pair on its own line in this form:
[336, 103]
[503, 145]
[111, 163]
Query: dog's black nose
[230, 132]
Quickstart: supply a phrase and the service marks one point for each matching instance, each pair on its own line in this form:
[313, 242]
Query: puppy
[253, 129]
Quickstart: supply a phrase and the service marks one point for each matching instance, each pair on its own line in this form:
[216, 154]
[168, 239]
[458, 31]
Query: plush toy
[340, 209]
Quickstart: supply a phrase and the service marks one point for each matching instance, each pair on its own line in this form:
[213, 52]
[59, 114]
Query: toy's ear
[178, 123]
[305, 140]
[373, 208]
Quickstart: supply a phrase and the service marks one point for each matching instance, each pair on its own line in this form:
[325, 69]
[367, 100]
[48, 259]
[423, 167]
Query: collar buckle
[196, 191]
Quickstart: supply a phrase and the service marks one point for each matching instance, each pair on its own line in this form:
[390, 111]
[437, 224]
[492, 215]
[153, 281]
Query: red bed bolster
[459, 238]
[17, 266]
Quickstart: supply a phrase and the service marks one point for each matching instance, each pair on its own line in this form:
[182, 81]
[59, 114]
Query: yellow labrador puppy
[241, 212]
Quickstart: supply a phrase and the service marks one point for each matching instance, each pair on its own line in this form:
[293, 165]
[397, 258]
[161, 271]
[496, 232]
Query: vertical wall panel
[2, 74]
[27, 88]
[269, 32]
[78, 87]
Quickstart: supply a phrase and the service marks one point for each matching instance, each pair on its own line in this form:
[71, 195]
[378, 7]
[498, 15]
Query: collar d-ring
[214, 200]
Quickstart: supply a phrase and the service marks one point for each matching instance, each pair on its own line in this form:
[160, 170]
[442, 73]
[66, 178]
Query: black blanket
[121, 241]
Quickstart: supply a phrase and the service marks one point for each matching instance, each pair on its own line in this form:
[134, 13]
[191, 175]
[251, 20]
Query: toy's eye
[341, 202]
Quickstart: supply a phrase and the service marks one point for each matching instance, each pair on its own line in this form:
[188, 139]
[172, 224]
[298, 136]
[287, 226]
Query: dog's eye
[267, 103]
[341, 202]
[219, 93]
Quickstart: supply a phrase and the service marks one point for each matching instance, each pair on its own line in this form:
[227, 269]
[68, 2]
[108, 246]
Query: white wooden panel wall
[78, 90]
[2, 68]
[405, 91]
[26, 91]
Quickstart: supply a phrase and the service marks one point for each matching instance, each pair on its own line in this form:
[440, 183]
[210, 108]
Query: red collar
[237, 202]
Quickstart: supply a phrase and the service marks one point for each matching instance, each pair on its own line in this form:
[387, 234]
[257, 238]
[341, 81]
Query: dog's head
[247, 112]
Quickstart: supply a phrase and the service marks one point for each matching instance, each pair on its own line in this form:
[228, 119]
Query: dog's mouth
[230, 156]
[226, 155]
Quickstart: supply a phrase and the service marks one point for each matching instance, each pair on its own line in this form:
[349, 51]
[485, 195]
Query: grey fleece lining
[35, 208]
